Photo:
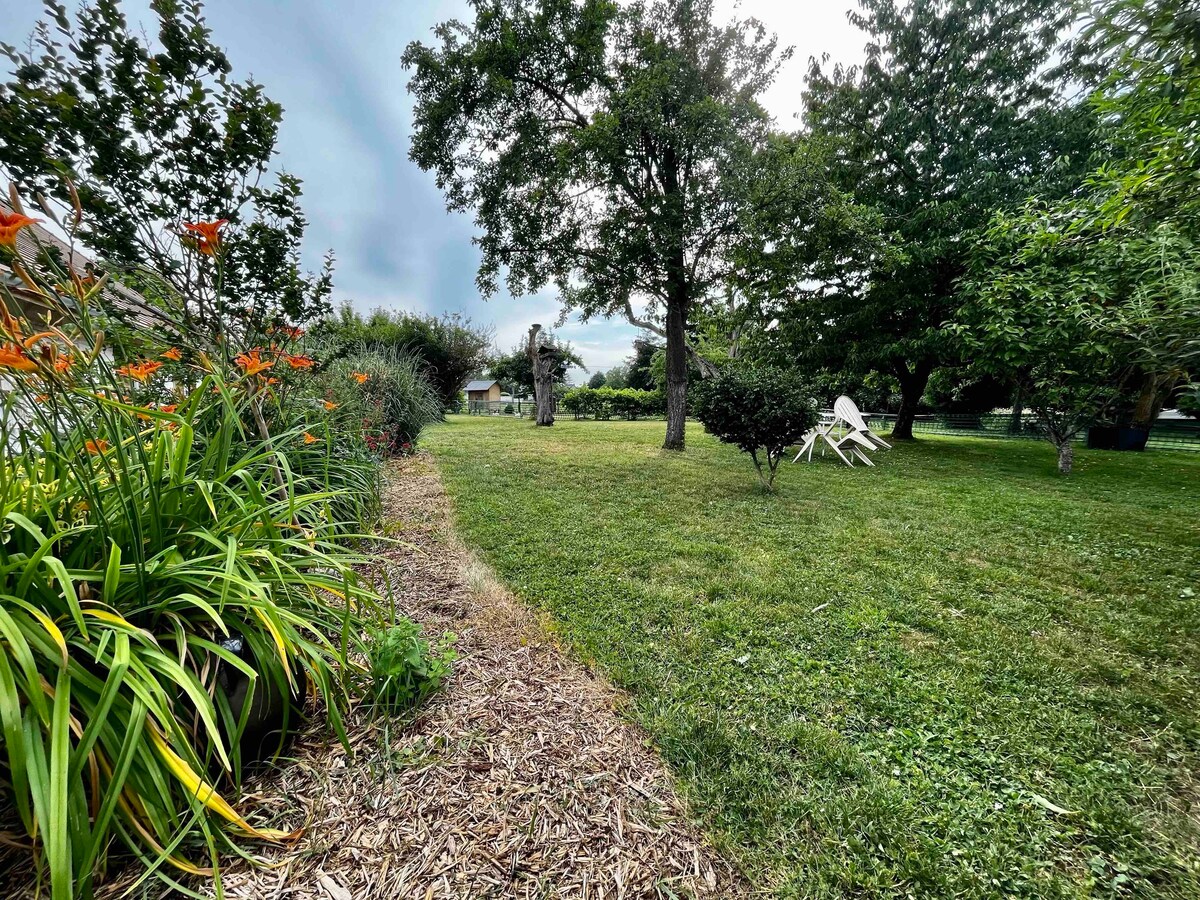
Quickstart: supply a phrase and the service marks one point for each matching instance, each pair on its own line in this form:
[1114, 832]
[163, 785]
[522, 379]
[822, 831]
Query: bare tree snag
[542, 357]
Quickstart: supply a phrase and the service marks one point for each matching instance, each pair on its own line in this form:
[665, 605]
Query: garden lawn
[957, 674]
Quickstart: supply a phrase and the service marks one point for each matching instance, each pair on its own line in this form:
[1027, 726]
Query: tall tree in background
[1095, 299]
[958, 111]
[604, 148]
[154, 135]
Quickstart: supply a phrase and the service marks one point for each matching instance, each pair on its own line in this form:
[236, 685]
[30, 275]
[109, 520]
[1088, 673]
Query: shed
[483, 391]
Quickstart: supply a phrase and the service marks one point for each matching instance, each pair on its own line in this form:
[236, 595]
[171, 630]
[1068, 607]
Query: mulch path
[519, 779]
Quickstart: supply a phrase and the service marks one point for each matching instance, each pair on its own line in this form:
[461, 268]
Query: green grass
[877, 682]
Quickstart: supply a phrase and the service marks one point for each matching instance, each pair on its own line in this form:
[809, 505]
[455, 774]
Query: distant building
[482, 392]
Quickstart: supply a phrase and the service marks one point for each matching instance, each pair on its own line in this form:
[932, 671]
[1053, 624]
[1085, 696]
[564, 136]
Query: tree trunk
[1066, 456]
[912, 386]
[1150, 399]
[676, 373]
[1018, 410]
[542, 361]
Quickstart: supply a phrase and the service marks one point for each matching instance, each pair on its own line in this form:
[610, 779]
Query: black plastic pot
[1117, 437]
[274, 715]
[1102, 437]
[1132, 438]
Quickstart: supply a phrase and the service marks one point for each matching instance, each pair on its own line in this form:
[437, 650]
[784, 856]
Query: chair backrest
[846, 410]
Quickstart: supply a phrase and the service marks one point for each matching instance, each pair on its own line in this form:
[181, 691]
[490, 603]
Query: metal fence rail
[519, 408]
[1165, 434]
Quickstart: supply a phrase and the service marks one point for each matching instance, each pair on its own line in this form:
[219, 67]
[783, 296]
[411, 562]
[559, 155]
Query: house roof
[479, 385]
[34, 239]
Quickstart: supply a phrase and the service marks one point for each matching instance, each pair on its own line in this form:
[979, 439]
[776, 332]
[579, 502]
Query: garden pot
[275, 715]
[1102, 437]
[1132, 437]
[1117, 437]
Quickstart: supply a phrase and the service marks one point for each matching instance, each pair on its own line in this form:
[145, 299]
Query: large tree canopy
[152, 135]
[603, 148]
[959, 110]
[1083, 298]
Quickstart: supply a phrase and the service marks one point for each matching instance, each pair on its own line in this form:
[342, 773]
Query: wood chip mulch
[520, 779]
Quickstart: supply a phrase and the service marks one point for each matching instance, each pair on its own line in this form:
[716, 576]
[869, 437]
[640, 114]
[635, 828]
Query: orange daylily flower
[169, 408]
[208, 241]
[173, 355]
[360, 377]
[292, 332]
[13, 356]
[310, 439]
[252, 362]
[63, 363]
[330, 406]
[300, 362]
[10, 224]
[140, 371]
[96, 447]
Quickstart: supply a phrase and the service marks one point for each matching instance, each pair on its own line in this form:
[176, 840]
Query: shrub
[388, 394]
[447, 348]
[405, 667]
[631, 403]
[761, 410]
[605, 402]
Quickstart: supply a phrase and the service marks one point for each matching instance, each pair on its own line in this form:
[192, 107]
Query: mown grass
[955, 675]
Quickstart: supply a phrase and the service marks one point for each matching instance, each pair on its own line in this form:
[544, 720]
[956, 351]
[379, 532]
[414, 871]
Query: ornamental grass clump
[389, 394]
[153, 512]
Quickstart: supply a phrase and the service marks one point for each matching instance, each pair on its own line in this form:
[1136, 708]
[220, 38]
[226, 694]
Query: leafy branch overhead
[154, 134]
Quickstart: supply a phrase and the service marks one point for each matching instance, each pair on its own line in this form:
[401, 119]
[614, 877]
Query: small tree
[763, 410]
[1053, 308]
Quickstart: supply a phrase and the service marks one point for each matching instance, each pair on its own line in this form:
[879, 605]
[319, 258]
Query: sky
[335, 68]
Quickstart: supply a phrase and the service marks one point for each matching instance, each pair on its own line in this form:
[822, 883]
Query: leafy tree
[617, 377]
[153, 135]
[958, 111]
[450, 347]
[597, 381]
[604, 148]
[514, 371]
[640, 374]
[1081, 299]
[1052, 311]
[762, 410]
[805, 238]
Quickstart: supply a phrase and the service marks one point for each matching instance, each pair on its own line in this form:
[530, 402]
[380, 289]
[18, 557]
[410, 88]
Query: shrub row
[606, 402]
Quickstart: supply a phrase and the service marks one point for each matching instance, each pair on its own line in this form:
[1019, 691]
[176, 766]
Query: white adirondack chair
[852, 434]
[846, 410]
